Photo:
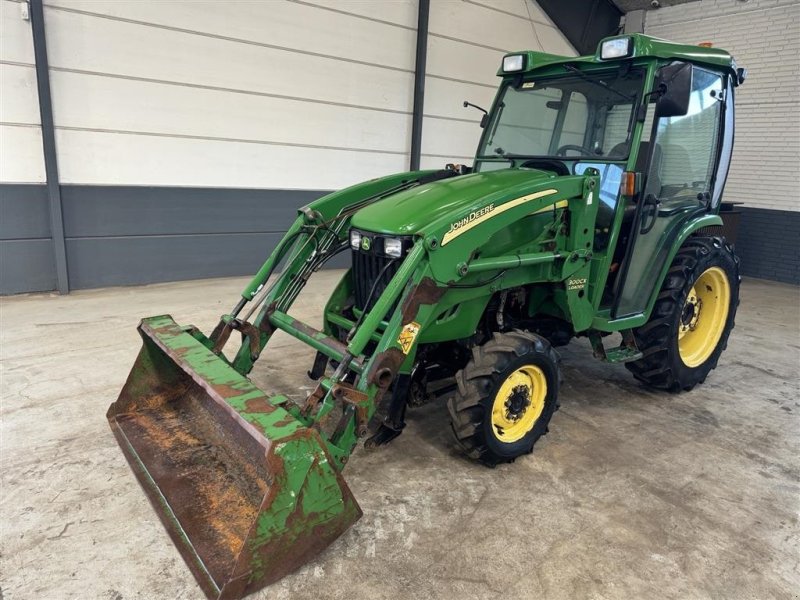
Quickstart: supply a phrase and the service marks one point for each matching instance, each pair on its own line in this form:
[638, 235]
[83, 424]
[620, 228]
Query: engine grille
[369, 262]
[367, 267]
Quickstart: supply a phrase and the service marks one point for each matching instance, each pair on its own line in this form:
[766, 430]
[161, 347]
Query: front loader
[591, 210]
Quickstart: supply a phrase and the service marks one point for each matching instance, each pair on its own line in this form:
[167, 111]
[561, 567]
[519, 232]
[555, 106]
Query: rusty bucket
[247, 493]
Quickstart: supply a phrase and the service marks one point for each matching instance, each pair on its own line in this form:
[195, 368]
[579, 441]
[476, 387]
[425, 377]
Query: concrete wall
[764, 37]
[187, 133]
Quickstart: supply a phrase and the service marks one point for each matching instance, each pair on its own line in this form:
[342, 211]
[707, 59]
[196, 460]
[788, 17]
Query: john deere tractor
[591, 210]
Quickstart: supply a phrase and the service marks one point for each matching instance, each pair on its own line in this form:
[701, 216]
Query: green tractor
[591, 209]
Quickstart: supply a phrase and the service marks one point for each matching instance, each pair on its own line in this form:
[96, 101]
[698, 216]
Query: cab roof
[640, 46]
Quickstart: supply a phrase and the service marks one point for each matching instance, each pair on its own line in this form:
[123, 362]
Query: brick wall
[764, 37]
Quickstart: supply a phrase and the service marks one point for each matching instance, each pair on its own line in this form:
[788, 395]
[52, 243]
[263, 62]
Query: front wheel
[506, 396]
[692, 318]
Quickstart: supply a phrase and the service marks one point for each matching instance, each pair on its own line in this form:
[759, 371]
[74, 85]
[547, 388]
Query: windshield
[570, 117]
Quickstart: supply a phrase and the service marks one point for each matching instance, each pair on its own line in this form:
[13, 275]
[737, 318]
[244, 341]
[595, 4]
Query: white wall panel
[537, 14]
[165, 93]
[77, 41]
[16, 42]
[143, 67]
[452, 139]
[102, 158]
[89, 101]
[504, 24]
[522, 8]
[399, 12]
[436, 162]
[19, 99]
[445, 98]
[515, 7]
[552, 40]
[479, 24]
[463, 61]
[278, 23]
[21, 157]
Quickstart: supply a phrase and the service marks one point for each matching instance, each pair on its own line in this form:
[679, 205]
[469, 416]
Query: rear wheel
[505, 398]
[692, 318]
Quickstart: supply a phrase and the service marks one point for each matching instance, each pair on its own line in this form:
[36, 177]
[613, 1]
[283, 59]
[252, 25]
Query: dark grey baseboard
[26, 248]
[27, 266]
[768, 243]
[127, 235]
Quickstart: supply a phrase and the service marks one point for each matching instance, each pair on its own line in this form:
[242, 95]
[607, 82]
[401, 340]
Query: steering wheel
[584, 151]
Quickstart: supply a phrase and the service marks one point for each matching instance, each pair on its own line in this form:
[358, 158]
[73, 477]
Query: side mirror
[674, 83]
[484, 117]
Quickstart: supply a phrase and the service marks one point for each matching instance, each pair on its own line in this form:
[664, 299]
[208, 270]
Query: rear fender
[605, 324]
[686, 231]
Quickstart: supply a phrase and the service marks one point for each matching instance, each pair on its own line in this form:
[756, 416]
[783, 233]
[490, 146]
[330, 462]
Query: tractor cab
[653, 118]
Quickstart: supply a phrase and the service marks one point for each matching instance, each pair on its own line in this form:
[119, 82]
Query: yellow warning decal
[408, 335]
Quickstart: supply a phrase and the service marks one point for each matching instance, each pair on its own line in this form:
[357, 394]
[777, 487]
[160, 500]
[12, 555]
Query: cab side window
[686, 146]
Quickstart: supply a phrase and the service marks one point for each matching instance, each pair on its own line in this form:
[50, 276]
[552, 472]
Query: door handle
[649, 212]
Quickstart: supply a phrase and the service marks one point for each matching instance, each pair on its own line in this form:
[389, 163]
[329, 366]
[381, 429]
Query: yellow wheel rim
[518, 403]
[703, 317]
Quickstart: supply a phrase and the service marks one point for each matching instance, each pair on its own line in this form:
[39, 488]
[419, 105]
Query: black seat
[653, 176]
[676, 170]
[619, 151]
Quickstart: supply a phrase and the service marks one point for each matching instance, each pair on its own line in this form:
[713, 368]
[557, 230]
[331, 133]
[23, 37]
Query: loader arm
[248, 485]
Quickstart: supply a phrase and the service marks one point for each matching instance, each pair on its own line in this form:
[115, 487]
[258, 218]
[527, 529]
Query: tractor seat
[619, 151]
[653, 180]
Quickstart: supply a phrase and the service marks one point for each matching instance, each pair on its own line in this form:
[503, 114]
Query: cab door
[679, 184]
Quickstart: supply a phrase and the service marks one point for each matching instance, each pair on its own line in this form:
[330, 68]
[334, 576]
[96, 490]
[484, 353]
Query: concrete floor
[634, 494]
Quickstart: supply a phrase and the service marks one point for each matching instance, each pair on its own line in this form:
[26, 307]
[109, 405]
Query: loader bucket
[247, 493]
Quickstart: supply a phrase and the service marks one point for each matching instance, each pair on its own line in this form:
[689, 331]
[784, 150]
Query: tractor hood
[409, 211]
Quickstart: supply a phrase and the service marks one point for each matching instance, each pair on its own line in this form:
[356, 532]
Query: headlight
[355, 240]
[616, 48]
[393, 247]
[515, 62]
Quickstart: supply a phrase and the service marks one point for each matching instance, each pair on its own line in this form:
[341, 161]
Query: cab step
[625, 352]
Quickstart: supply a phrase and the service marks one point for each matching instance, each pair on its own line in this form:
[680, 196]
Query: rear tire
[692, 317]
[506, 395]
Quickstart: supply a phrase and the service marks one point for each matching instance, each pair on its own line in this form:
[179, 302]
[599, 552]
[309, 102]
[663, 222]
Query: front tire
[692, 317]
[506, 395]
